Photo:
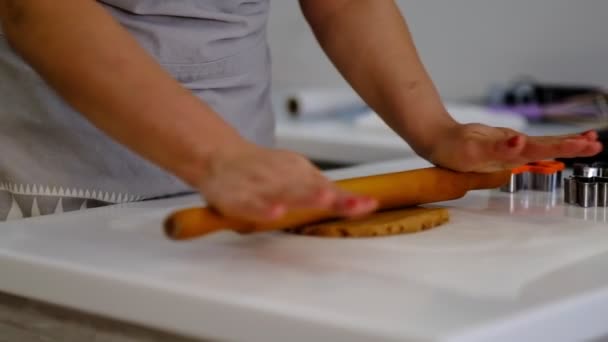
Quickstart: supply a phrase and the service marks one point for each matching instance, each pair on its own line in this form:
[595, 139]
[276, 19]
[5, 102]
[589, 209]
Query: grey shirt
[53, 160]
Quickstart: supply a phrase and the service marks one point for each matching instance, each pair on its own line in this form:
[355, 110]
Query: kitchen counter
[507, 267]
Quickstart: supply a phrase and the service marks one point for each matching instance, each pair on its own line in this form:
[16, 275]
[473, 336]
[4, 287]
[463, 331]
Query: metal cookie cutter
[588, 186]
[548, 174]
[542, 175]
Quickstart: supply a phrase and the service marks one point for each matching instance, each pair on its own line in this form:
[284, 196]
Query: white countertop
[518, 267]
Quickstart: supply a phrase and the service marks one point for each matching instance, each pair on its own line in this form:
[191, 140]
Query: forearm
[97, 67]
[370, 44]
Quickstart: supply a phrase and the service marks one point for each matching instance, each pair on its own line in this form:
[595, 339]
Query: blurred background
[468, 45]
[475, 51]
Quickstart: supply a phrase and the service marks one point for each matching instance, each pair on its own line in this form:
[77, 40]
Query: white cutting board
[507, 267]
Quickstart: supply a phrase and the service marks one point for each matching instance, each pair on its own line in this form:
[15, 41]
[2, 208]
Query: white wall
[468, 44]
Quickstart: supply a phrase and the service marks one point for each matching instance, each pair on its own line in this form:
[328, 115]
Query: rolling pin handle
[193, 222]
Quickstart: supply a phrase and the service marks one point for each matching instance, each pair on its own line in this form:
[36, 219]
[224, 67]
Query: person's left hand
[481, 148]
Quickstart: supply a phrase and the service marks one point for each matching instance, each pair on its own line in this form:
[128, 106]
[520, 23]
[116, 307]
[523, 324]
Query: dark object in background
[551, 102]
[325, 165]
[523, 93]
[601, 157]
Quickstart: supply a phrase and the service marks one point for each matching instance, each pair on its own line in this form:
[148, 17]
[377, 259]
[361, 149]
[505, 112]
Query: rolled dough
[400, 221]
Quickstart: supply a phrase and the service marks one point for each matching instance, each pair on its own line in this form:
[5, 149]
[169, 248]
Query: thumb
[509, 147]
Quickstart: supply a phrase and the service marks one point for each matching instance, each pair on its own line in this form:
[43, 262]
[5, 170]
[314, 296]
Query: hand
[480, 148]
[252, 183]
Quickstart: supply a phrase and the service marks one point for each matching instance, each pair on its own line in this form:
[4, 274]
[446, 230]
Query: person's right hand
[481, 148]
[252, 183]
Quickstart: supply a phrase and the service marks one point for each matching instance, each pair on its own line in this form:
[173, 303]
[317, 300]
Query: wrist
[417, 113]
[195, 169]
[425, 128]
[432, 135]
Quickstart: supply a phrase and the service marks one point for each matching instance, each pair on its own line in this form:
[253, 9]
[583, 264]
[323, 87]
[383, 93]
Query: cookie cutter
[588, 186]
[542, 175]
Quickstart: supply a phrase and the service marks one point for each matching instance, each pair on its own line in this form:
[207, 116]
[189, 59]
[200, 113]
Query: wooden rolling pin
[392, 190]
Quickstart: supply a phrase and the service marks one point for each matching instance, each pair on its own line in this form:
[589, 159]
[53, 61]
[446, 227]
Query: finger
[501, 154]
[350, 205]
[296, 184]
[302, 185]
[538, 149]
[592, 149]
[591, 135]
[302, 188]
[509, 148]
[556, 139]
[303, 196]
[324, 196]
[249, 206]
